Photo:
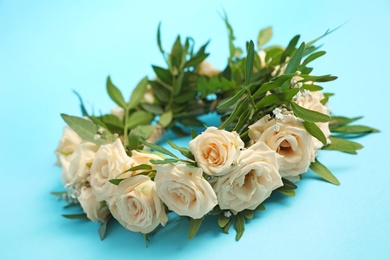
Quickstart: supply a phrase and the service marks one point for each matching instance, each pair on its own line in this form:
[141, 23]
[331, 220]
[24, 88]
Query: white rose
[250, 182]
[70, 140]
[312, 101]
[109, 163]
[119, 112]
[95, 210]
[216, 150]
[289, 139]
[184, 190]
[144, 157]
[79, 164]
[207, 69]
[136, 205]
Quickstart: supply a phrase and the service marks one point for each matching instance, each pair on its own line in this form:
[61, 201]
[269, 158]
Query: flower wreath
[274, 122]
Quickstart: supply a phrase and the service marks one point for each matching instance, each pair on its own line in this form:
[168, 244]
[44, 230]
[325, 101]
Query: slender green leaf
[76, 216]
[194, 227]
[58, 194]
[295, 60]
[228, 103]
[184, 151]
[165, 161]
[103, 228]
[152, 108]
[115, 93]
[239, 225]
[158, 148]
[323, 172]
[264, 36]
[138, 93]
[226, 228]
[290, 193]
[248, 214]
[249, 63]
[274, 99]
[237, 111]
[288, 185]
[342, 145]
[312, 87]
[309, 115]
[116, 181]
[84, 128]
[82, 107]
[315, 131]
[312, 57]
[342, 120]
[355, 129]
[140, 167]
[164, 75]
[260, 207]
[159, 38]
[191, 121]
[193, 134]
[290, 48]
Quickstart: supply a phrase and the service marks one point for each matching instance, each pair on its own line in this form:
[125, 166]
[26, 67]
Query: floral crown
[274, 122]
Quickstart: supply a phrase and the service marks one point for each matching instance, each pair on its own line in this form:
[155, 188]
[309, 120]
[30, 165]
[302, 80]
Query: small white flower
[96, 137]
[227, 214]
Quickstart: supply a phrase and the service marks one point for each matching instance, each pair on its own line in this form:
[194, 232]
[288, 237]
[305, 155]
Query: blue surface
[48, 48]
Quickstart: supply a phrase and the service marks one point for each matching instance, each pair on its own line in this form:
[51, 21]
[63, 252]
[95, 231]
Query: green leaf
[82, 107]
[152, 108]
[223, 220]
[248, 214]
[274, 99]
[342, 145]
[191, 121]
[309, 115]
[158, 148]
[312, 87]
[159, 38]
[237, 111]
[323, 172]
[355, 129]
[231, 37]
[290, 48]
[116, 181]
[160, 92]
[115, 93]
[139, 118]
[228, 103]
[295, 60]
[315, 131]
[103, 228]
[260, 207]
[322, 36]
[140, 167]
[178, 131]
[76, 216]
[249, 63]
[342, 120]
[264, 36]
[323, 78]
[194, 227]
[239, 225]
[84, 128]
[138, 93]
[163, 74]
[273, 84]
[165, 161]
[193, 134]
[312, 57]
[288, 185]
[184, 151]
[290, 193]
[226, 228]
[165, 119]
[140, 132]
[58, 194]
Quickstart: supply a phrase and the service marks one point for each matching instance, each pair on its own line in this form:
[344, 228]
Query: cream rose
[289, 139]
[184, 190]
[70, 140]
[136, 206]
[110, 162]
[250, 182]
[79, 164]
[216, 150]
[95, 210]
[312, 101]
[207, 69]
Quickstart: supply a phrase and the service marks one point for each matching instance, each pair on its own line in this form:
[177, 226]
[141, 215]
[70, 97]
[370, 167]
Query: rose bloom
[312, 101]
[250, 182]
[136, 206]
[144, 157]
[207, 69]
[216, 150]
[70, 140]
[77, 171]
[110, 162]
[184, 190]
[95, 210]
[289, 139]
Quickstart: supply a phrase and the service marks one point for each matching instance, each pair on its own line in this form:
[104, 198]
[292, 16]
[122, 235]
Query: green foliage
[194, 227]
[323, 172]
[264, 36]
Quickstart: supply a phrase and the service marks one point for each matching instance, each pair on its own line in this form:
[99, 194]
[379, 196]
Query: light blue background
[48, 48]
